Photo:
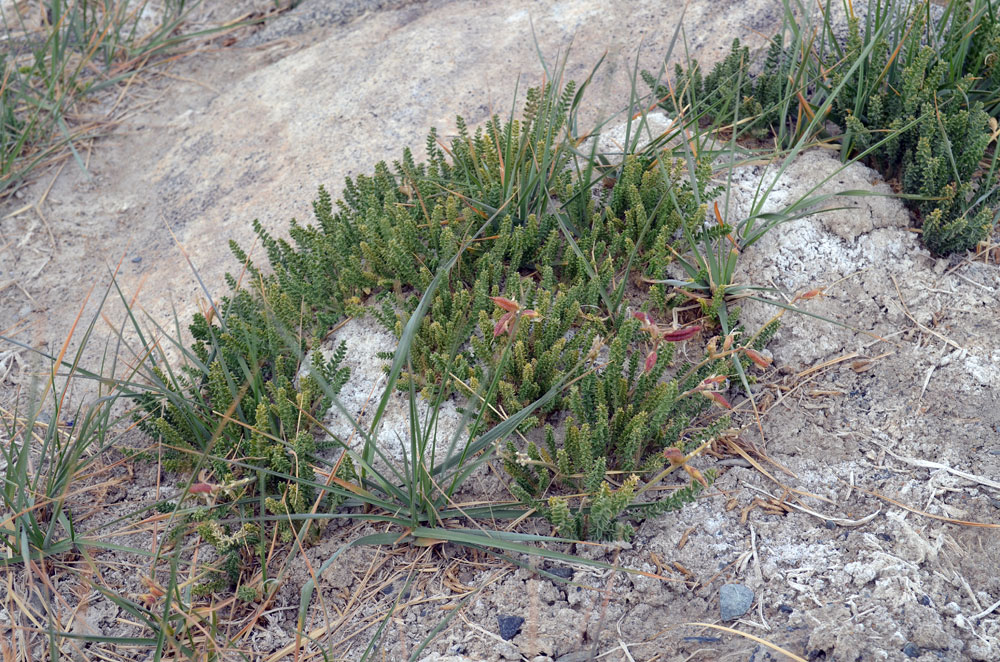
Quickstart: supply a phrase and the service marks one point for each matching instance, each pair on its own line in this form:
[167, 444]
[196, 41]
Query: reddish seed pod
[673, 454]
[650, 361]
[201, 488]
[728, 342]
[696, 475]
[717, 398]
[681, 334]
[762, 361]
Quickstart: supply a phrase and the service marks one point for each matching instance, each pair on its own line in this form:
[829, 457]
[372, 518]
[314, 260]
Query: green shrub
[623, 420]
[920, 127]
[522, 310]
[917, 110]
[244, 404]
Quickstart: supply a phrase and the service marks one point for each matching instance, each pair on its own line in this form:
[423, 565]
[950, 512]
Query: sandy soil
[861, 511]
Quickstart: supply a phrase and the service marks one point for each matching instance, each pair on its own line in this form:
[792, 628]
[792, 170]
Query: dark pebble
[830, 524]
[509, 626]
[911, 650]
[785, 609]
[561, 571]
[387, 589]
[734, 601]
[884, 536]
[136, 260]
[925, 600]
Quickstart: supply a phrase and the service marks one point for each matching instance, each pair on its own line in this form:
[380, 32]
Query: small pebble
[785, 609]
[911, 650]
[387, 589]
[509, 626]
[561, 571]
[136, 260]
[830, 524]
[734, 601]
[576, 656]
[925, 600]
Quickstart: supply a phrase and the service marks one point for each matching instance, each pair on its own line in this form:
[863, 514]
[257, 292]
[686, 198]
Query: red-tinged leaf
[674, 455]
[709, 381]
[811, 294]
[650, 361]
[681, 334]
[502, 324]
[506, 304]
[717, 398]
[696, 475]
[530, 314]
[201, 488]
[762, 361]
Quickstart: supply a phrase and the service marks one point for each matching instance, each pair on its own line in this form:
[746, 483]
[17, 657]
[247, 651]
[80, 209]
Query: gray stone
[734, 601]
[313, 14]
[345, 96]
[577, 656]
